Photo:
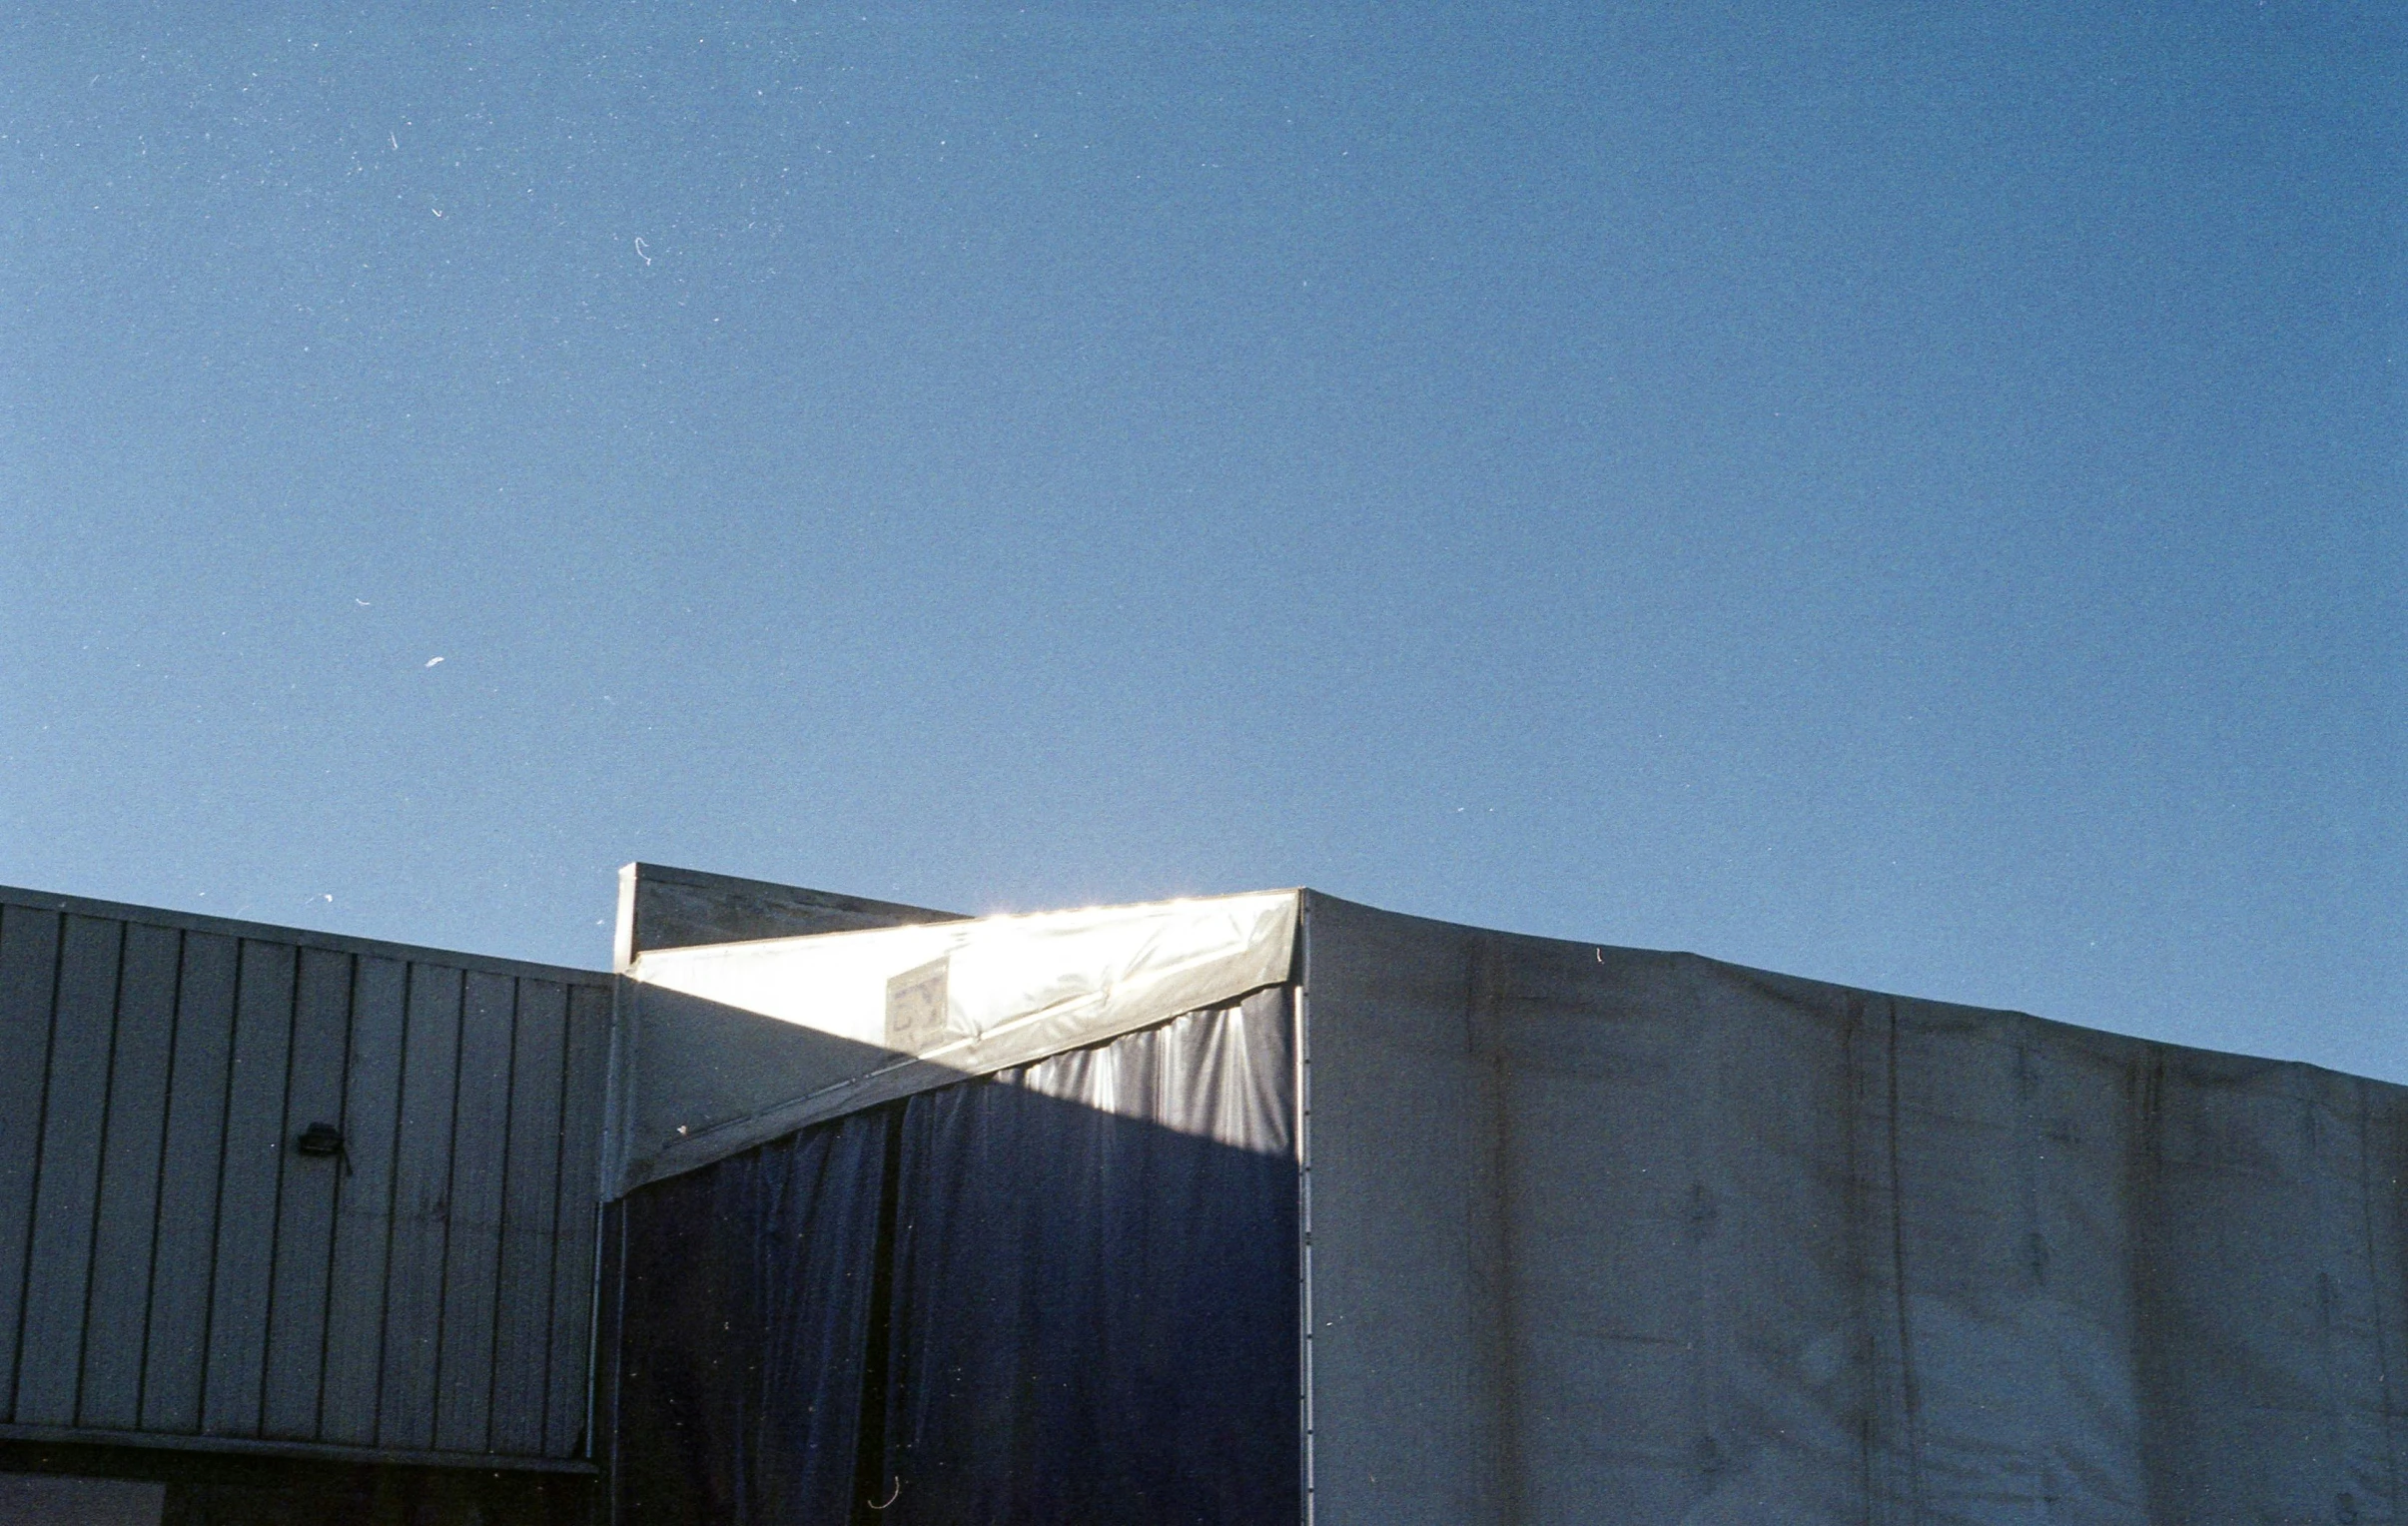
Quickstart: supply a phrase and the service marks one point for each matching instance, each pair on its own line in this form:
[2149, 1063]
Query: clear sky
[1905, 494]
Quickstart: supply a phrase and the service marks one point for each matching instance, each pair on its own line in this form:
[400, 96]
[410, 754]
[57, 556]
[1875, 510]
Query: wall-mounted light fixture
[320, 1140]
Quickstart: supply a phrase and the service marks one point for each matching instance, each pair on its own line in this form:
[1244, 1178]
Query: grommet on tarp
[322, 1139]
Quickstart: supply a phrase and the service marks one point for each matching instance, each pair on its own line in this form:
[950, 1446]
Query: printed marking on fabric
[915, 1008]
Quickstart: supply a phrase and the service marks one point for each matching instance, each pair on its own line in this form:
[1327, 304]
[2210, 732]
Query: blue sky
[1909, 496]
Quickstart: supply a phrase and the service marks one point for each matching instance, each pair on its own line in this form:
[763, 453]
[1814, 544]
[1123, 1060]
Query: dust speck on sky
[1906, 496]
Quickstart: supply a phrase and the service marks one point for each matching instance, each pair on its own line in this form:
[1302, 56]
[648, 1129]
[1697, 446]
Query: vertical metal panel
[473, 1248]
[171, 1263]
[610, 1372]
[572, 1252]
[305, 1223]
[29, 969]
[254, 1151]
[175, 1354]
[111, 1397]
[530, 1215]
[372, 1099]
[414, 1278]
[74, 1114]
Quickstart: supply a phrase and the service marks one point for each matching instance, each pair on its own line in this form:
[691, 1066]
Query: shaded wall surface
[664, 908]
[1064, 1292]
[175, 1270]
[1606, 1235]
[83, 1484]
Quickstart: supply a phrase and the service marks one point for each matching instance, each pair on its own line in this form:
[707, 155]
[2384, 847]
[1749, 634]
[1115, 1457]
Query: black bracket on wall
[319, 1141]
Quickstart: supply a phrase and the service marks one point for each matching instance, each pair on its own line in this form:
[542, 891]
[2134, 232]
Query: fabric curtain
[1062, 1294]
[750, 1293]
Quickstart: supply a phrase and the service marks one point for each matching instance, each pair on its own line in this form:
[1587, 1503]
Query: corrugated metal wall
[171, 1267]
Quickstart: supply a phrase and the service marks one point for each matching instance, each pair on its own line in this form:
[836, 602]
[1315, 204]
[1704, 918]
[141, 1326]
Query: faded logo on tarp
[915, 1008]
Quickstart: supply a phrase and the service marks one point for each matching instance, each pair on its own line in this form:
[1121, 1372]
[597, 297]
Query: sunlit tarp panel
[728, 1046]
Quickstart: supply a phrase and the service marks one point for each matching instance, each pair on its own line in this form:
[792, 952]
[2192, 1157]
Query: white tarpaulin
[1601, 1235]
[724, 1046]
[1573, 1234]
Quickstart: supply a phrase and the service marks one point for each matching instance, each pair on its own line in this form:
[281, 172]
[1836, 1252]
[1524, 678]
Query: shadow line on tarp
[1064, 1292]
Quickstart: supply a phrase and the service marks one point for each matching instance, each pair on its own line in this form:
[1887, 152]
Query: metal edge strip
[319, 1451]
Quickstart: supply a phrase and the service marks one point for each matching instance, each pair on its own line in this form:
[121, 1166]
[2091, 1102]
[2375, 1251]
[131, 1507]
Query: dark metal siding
[172, 1268]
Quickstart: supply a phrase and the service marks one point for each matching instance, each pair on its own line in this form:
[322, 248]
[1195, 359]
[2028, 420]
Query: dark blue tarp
[750, 1293]
[1061, 1293]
